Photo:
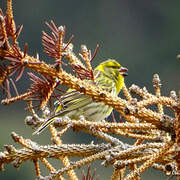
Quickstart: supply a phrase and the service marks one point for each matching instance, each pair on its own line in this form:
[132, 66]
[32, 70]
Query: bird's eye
[114, 67]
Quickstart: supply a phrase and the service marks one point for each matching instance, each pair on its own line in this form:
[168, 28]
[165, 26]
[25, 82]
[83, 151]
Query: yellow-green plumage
[109, 76]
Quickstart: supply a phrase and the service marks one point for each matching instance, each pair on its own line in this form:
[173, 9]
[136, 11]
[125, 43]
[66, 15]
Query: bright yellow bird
[109, 76]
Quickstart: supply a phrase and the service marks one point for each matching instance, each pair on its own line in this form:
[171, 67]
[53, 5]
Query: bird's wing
[70, 101]
[73, 100]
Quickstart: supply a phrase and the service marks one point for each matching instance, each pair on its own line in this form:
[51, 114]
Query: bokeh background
[142, 35]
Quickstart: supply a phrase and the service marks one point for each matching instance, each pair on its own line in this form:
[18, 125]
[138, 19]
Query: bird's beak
[123, 71]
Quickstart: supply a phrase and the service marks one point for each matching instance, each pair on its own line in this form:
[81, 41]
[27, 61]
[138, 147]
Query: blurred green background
[143, 35]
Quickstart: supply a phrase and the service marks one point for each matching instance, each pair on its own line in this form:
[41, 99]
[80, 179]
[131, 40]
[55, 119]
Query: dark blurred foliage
[141, 35]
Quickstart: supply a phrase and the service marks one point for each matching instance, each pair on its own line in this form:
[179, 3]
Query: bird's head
[113, 70]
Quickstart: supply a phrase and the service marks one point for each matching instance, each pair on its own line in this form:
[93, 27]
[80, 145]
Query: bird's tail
[44, 125]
